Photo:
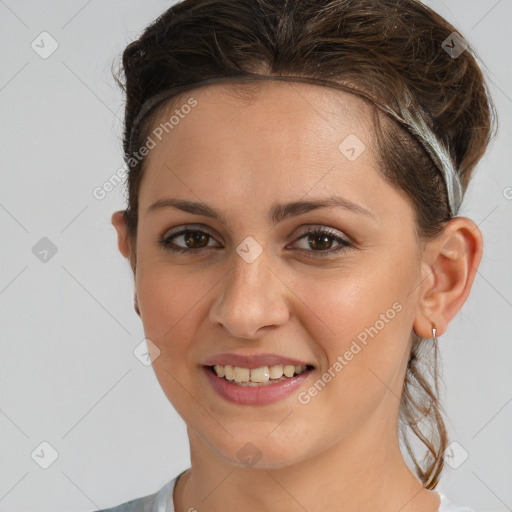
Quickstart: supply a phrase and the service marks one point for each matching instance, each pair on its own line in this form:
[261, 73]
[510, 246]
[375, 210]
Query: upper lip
[252, 361]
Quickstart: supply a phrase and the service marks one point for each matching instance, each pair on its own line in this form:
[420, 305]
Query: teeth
[241, 374]
[263, 374]
[228, 372]
[289, 370]
[276, 372]
[260, 374]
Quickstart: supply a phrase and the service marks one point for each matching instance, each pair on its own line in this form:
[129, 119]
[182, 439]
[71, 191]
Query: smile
[264, 375]
[272, 383]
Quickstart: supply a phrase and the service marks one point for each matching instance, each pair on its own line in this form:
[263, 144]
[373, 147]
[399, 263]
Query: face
[333, 287]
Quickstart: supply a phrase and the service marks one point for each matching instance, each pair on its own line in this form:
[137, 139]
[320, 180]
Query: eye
[321, 241]
[193, 240]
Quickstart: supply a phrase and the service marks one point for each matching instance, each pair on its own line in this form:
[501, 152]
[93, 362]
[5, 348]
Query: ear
[449, 267]
[124, 242]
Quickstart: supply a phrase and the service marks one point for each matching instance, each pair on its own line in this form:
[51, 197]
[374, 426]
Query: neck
[354, 475]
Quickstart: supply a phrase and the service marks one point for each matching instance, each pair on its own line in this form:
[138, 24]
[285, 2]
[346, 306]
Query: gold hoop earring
[434, 332]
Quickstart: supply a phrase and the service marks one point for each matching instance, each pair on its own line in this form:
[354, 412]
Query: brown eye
[195, 239]
[321, 240]
[187, 240]
[317, 241]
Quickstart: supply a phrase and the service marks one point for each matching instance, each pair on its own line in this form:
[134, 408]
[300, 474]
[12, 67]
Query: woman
[295, 173]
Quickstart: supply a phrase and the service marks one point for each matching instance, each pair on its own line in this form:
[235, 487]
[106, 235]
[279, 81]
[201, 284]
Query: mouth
[261, 376]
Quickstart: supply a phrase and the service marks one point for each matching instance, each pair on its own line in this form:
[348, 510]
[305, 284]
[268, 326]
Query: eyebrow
[278, 213]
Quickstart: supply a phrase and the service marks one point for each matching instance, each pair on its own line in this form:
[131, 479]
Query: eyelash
[344, 243]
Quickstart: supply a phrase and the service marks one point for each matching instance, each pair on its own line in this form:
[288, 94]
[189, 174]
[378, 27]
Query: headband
[409, 116]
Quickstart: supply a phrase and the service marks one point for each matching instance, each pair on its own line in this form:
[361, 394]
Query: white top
[162, 501]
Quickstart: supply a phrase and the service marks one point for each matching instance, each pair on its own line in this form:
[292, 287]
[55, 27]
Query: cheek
[363, 337]
[159, 296]
[169, 300]
[351, 304]
[170, 303]
[359, 320]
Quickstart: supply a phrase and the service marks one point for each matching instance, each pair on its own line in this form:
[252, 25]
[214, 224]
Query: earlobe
[136, 303]
[452, 261]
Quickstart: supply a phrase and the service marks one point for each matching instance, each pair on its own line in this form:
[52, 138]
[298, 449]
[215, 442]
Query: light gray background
[68, 328]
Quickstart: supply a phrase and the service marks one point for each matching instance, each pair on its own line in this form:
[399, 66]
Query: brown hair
[391, 50]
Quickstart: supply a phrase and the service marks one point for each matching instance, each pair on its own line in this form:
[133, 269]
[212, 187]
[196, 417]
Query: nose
[251, 299]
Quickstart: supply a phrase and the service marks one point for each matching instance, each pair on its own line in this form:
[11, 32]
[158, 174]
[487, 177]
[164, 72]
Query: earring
[434, 332]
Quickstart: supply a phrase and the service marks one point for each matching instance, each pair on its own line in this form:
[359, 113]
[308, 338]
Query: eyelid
[188, 227]
[309, 228]
[336, 233]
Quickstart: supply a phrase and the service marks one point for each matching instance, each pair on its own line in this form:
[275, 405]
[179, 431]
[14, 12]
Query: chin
[260, 454]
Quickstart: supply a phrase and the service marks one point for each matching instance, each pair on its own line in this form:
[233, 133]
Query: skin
[340, 451]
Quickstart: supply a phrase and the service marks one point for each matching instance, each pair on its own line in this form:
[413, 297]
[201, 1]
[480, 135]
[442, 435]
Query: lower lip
[255, 395]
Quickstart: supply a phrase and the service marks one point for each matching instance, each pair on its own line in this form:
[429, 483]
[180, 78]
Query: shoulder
[448, 506]
[160, 501]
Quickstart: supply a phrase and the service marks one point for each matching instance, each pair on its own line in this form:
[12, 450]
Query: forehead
[284, 135]
[223, 113]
